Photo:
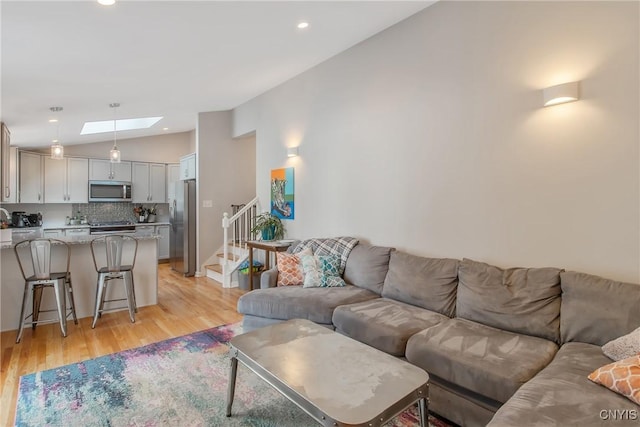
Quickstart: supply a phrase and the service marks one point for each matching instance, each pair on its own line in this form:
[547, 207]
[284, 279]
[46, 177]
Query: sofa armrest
[269, 278]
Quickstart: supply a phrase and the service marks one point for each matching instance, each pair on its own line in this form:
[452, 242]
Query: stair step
[214, 267]
[230, 256]
[237, 244]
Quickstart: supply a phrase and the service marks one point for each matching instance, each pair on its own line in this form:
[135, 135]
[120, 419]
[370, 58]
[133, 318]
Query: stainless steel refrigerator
[182, 242]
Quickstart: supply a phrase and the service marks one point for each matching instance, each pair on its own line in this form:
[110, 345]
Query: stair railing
[236, 231]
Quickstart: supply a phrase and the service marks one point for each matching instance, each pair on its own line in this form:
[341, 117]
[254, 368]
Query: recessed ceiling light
[53, 120]
[165, 128]
[54, 141]
[90, 128]
[106, 2]
[303, 25]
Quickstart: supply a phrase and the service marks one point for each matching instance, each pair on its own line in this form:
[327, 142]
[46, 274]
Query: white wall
[226, 176]
[166, 148]
[430, 137]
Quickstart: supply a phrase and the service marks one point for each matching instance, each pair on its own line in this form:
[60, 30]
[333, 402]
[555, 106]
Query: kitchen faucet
[6, 213]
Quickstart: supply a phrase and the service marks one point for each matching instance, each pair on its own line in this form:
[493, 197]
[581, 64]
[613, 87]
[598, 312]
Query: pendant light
[57, 150]
[115, 153]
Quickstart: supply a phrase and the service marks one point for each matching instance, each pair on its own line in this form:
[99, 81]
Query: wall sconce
[292, 151]
[559, 94]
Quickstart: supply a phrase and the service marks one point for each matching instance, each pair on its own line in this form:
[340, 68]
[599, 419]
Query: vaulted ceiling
[163, 58]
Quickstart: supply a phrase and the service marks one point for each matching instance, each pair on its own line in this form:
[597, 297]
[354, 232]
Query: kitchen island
[83, 277]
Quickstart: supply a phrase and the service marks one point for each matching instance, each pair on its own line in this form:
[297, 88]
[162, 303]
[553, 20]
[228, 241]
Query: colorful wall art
[282, 204]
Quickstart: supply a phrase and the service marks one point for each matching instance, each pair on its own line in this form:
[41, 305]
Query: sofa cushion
[522, 300]
[597, 310]
[429, 283]
[296, 302]
[383, 323]
[485, 360]
[367, 266]
[561, 394]
[624, 346]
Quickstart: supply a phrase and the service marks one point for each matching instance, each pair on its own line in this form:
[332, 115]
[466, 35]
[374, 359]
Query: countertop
[82, 240]
[54, 226]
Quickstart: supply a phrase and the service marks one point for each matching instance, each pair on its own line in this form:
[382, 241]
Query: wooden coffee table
[336, 380]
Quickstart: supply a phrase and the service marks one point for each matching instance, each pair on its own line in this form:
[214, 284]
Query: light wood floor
[185, 305]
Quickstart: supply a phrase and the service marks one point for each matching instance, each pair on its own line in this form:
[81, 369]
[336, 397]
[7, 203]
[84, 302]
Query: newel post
[225, 230]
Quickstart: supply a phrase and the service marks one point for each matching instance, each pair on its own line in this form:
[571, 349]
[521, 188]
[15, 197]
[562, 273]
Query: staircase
[237, 230]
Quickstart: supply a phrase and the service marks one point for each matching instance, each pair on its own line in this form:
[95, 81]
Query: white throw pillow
[623, 347]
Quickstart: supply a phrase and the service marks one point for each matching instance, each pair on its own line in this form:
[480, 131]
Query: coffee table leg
[232, 383]
[422, 411]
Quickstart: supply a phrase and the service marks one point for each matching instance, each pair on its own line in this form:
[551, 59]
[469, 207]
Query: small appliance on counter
[20, 219]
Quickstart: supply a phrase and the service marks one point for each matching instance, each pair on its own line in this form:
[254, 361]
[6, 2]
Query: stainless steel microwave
[109, 191]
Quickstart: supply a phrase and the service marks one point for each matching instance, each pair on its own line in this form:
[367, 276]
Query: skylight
[90, 128]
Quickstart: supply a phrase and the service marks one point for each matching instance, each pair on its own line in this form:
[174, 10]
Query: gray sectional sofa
[502, 347]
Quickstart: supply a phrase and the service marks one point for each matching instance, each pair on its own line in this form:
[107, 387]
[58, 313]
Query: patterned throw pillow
[289, 271]
[623, 377]
[623, 347]
[312, 272]
[330, 267]
[321, 271]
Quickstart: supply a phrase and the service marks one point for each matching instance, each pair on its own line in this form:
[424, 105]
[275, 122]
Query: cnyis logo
[619, 414]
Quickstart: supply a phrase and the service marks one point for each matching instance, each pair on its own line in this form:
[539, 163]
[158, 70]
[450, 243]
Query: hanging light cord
[115, 106]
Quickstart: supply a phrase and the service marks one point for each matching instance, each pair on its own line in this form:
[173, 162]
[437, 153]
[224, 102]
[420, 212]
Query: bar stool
[36, 256]
[114, 270]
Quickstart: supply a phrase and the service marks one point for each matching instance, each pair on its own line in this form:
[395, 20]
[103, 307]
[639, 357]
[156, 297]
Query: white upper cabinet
[149, 183]
[104, 170]
[188, 167]
[9, 176]
[66, 180]
[30, 178]
[173, 176]
[10, 184]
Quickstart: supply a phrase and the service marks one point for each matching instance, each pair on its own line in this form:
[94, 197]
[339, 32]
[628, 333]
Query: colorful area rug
[178, 382]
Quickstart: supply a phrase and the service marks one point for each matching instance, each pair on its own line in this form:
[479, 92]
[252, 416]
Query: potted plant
[269, 226]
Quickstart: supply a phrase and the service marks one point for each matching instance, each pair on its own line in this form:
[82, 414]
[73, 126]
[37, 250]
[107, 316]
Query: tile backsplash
[54, 214]
[100, 212]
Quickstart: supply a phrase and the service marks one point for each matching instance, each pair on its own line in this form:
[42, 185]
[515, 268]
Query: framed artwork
[282, 203]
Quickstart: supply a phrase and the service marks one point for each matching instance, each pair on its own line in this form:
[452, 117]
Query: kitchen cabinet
[9, 168]
[149, 183]
[66, 180]
[30, 178]
[82, 231]
[10, 194]
[163, 243]
[145, 230]
[188, 167]
[53, 233]
[104, 170]
[173, 176]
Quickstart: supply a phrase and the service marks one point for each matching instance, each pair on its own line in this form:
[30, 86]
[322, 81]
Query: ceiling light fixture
[107, 2]
[57, 150]
[165, 128]
[302, 25]
[114, 155]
